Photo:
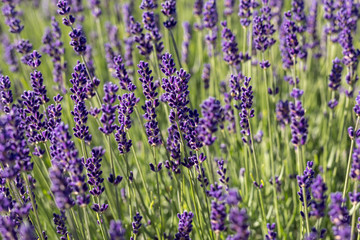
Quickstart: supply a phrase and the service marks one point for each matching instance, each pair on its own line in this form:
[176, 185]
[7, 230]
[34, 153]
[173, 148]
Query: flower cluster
[5, 93]
[53, 46]
[339, 217]
[213, 118]
[246, 110]
[80, 91]
[304, 182]
[299, 124]
[150, 24]
[93, 166]
[11, 17]
[186, 42]
[318, 190]
[144, 40]
[169, 10]
[229, 46]
[108, 108]
[127, 102]
[185, 225]
[151, 103]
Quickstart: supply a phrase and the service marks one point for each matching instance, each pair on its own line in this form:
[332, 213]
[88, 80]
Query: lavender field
[179, 119]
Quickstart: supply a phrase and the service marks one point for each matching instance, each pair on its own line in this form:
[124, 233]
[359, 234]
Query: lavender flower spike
[185, 225]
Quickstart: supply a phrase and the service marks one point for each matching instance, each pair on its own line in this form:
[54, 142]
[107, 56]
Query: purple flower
[218, 216]
[151, 103]
[126, 106]
[205, 76]
[339, 217]
[297, 9]
[213, 118]
[185, 225]
[315, 235]
[304, 182]
[356, 108]
[299, 125]
[335, 75]
[144, 40]
[8, 227]
[93, 166]
[113, 36]
[289, 44]
[296, 93]
[271, 235]
[318, 205]
[229, 7]
[263, 31]
[245, 7]
[79, 92]
[59, 221]
[78, 41]
[27, 231]
[37, 83]
[64, 10]
[312, 26]
[136, 223]
[11, 15]
[6, 96]
[53, 46]
[198, 7]
[116, 230]
[229, 113]
[95, 8]
[15, 157]
[222, 173]
[61, 188]
[355, 167]
[238, 219]
[121, 73]
[65, 157]
[33, 59]
[186, 42]
[10, 54]
[246, 110]
[283, 113]
[350, 56]
[210, 14]
[108, 108]
[229, 46]
[169, 10]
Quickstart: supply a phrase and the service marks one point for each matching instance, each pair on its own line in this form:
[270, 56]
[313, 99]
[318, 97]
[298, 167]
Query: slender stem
[354, 213]
[175, 47]
[113, 172]
[194, 201]
[257, 176]
[349, 160]
[86, 223]
[34, 206]
[158, 194]
[139, 168]
[72, 224]
[269, 127]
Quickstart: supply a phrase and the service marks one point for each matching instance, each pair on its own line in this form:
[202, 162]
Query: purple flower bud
[185, 225]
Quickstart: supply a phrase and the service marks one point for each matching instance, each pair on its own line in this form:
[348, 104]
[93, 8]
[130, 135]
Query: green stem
[158, 195]
[175, 47]
[113, 172]
[349, 160]
[34, 206]
[354, 213]
[269, 127]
